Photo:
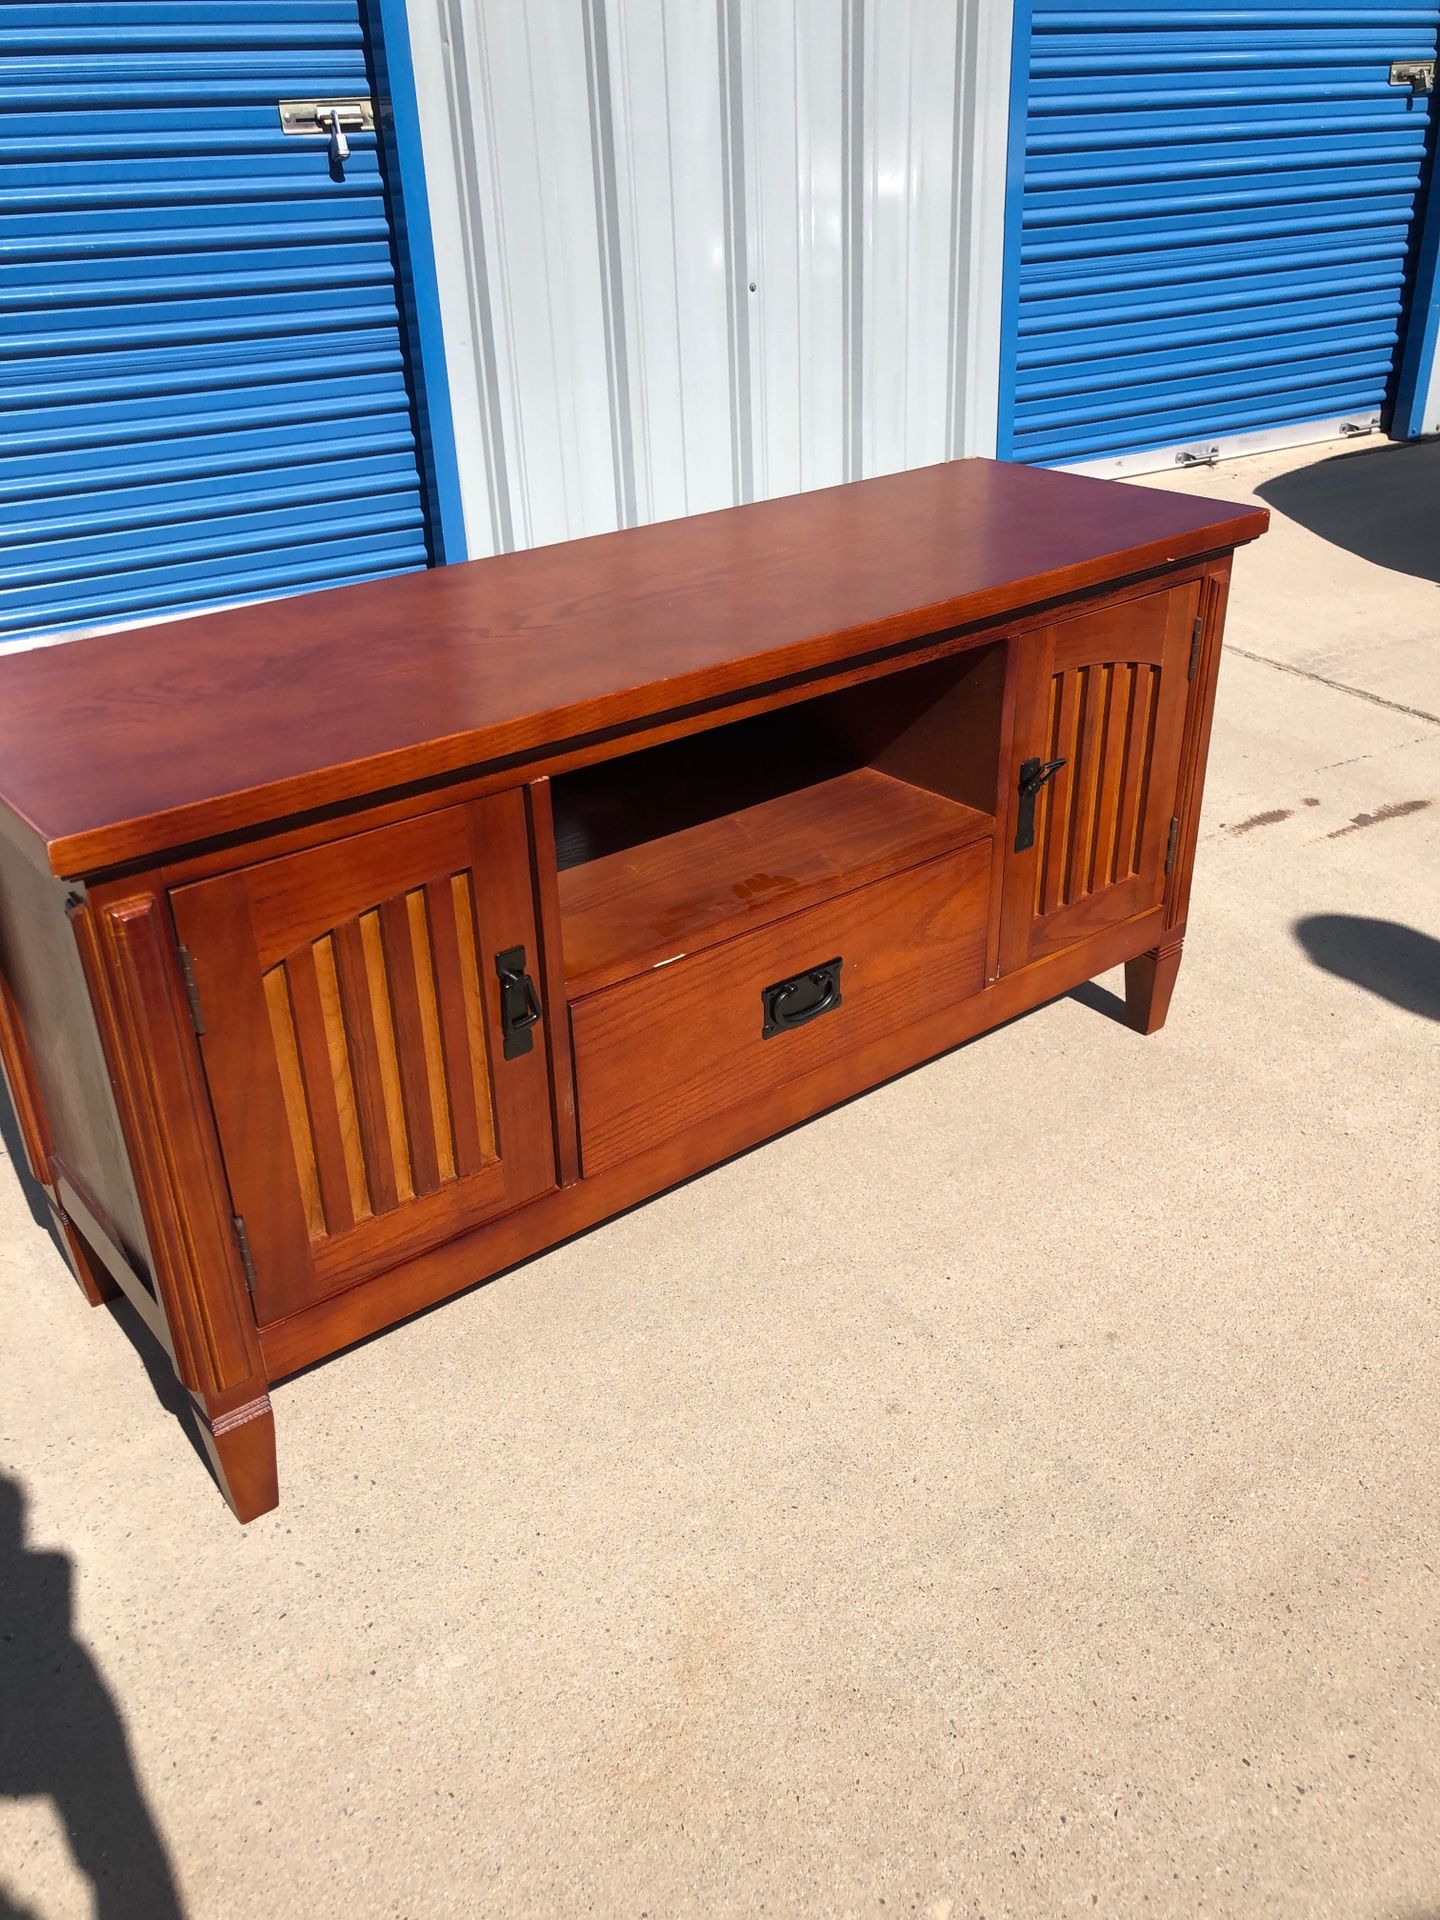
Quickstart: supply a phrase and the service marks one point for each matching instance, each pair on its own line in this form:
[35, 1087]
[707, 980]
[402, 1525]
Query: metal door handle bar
[1033, 775]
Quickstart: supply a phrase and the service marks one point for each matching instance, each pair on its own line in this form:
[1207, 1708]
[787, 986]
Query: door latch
[1418, 75]
[1033, 776]
[333, 117]
[519, 1003]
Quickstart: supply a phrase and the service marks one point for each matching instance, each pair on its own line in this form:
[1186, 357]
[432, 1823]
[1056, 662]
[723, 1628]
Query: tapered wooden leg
[238, 1433]
[1149, 983]
[92, 1275]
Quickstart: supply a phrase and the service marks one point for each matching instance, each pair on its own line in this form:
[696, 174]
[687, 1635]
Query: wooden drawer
[667, 1049]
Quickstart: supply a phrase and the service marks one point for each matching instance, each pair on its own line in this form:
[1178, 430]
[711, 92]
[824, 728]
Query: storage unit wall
[697, 255]
[209, 380]
[1215, 224]
[635, 261]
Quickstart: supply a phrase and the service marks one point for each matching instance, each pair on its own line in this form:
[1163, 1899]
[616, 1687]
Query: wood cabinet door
[352, 1016]
[1106, 694]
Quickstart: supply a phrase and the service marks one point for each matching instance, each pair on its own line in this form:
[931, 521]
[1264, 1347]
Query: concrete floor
[1015, 1494]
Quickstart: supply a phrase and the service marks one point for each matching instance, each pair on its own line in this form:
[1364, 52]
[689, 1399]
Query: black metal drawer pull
[519, 1005]
[1033, 775]
[803, 997]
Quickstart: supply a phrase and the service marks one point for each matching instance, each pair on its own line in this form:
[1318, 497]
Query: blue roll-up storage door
[204, 374]
[1216, 221]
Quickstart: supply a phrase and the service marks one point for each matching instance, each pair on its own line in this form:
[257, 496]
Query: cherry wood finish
[1149, 982]
[1104, 693]
[676, 1044]
[364, 1103]
[419, 1283]
[683, 891]
[237, 1431]
[257, 868]
[170, 734]
[543, 868]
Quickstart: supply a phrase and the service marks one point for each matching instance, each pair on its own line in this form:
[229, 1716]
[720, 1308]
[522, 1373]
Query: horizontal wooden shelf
[649, 904]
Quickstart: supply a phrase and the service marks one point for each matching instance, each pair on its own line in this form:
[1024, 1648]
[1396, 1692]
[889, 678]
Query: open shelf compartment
[668, 851]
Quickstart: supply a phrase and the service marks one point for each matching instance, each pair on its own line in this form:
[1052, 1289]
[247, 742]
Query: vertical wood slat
[1112, 760]
[1123, 719]
[364, 1046]
[292, 1087]
[1052, 850]
[1139, 756]
[1079, 778]
[1095, 694]
[391, 1072]
[417, 906]
[1092, 816]
[382, 1014]
[470, 1147]
[305, 1066]
[1133, 751]
[404, 992]
[331, 1104]
[474, 1008]
[330, 1091]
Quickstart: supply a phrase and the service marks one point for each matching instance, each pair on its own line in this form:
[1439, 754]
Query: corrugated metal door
[696, 254]
[1214, 220]
[205, 390]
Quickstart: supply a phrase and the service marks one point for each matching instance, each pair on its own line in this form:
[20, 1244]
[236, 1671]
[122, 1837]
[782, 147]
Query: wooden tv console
[356, 946]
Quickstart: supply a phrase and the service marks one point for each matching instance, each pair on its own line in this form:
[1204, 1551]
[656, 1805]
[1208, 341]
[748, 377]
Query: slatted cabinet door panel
[351, 1012]
[1106, 694]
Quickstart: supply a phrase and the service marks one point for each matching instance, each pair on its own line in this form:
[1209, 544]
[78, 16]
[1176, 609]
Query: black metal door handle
[801, 998]
[1033, 775]
[519, 1003]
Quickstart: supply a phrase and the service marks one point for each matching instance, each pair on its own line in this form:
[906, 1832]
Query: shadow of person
[1383, 505]
[60, 1733]
[1399, 963]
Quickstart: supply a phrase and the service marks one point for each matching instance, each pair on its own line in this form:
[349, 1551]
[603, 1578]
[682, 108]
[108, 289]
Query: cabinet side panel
[1214, 597]
[130, 963]
[60, 1049]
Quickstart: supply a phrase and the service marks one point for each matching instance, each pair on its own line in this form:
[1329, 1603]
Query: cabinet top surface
[117, 748]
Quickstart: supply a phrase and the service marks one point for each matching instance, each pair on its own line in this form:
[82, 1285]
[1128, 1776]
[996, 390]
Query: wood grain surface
[651, 904]
[662, 1051]
[117, 748]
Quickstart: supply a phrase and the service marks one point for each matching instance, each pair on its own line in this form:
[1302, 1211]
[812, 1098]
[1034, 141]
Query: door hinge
[1197, 634]
[1172, 843]
[247, 1259]
[192, 992]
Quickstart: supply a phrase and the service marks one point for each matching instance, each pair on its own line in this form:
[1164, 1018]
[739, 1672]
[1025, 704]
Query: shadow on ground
[1399, 963]
[62, 1737]
[1100, 1000]
[1383, 506]
[158, 1369]
[11, 1143]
